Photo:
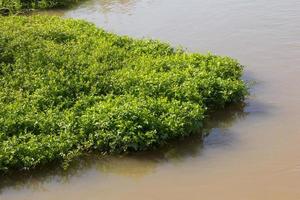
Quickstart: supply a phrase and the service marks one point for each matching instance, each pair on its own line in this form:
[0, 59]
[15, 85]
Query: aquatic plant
[69, 88]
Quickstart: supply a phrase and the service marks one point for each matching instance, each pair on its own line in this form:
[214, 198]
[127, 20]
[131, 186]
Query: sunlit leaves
[68, 87]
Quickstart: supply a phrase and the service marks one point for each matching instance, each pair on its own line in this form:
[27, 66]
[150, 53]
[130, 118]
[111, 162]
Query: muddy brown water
[252, 151]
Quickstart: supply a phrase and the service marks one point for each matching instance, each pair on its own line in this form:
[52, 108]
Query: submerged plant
[68, 87]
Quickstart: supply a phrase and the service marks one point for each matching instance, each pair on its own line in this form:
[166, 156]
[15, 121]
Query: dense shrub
[12, 6]
[68, 87]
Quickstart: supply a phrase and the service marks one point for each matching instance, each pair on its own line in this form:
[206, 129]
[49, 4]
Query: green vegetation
[12, 6]
[69, 88]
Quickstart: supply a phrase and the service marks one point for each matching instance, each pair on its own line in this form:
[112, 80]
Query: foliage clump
[68, 87]
[12, 6]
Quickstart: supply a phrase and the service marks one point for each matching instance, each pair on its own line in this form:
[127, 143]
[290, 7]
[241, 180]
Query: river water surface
[253, 150]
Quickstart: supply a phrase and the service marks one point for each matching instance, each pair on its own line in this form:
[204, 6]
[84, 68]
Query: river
[252, 151]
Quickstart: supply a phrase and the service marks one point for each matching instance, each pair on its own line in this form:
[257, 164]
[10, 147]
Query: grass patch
[68, 87]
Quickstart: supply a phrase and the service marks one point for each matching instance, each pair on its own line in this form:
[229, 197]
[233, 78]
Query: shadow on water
[136, 164]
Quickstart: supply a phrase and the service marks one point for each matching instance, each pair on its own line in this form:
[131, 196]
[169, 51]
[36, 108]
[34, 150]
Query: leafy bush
[68, 87]
[12, 6]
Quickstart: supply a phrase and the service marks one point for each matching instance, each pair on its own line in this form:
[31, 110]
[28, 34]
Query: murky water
[252, 152]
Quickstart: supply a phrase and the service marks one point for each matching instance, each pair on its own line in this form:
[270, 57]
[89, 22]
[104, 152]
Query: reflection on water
[133, 165]
[107, 6]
